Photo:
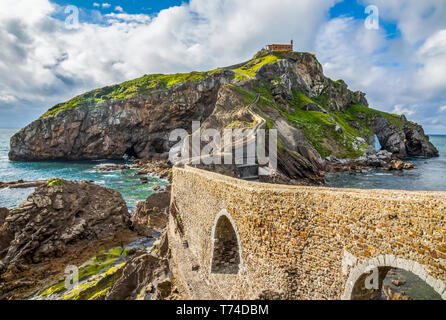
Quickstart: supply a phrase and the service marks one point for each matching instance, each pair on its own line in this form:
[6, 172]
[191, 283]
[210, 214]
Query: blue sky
[401, 66]
[130, 6]
[356, 10]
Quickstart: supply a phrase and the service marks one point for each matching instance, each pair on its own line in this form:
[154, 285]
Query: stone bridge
[234, 239]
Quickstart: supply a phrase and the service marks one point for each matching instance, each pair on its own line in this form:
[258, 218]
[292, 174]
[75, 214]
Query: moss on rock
[55, 182]
[250, 68]
[103, 264]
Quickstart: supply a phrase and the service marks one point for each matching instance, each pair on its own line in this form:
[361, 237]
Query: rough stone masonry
[301, 242]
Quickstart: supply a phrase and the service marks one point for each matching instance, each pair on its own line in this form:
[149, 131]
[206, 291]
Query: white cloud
[399, 109]
[416, 20]
[433, 56]
[407, 71]
[46, 63]
[119, 9]
[443, 108]
[7, 98]
[106, 5]
[127, 18]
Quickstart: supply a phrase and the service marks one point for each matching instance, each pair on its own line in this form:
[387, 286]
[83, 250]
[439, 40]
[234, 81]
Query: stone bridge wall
[293, 240]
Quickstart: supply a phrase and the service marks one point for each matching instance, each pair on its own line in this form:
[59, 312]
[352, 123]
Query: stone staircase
[248, 172]
[248, 168]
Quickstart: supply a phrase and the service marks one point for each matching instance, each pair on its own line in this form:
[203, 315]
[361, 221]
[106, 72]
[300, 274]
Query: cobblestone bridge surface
[234, 239]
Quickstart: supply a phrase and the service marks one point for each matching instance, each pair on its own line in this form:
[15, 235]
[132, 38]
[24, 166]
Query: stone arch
[226, 248]
[355, 286]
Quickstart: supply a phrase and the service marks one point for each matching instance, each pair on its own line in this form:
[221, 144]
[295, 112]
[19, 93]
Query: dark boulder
[313, 107]
[57, 215]
[405, 139]
[151, 214]
[144, 275]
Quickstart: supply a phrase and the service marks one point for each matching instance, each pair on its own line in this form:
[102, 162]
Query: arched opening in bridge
[392, 284]
[226, 254]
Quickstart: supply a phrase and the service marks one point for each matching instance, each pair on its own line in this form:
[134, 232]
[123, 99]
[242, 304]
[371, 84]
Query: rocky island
[318, 120]
[204, 246]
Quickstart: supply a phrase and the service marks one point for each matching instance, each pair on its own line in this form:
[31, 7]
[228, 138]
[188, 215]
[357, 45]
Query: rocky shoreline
[160, 168]
[20, 184]
[380, 160]
[66, 223]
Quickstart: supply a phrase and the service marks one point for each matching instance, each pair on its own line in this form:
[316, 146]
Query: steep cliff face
[315, 116]
[137, 126]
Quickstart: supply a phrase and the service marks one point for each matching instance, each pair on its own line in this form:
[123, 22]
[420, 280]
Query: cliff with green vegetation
[318, 119]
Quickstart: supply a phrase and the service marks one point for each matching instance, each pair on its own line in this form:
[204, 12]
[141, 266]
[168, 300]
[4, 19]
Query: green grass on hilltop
[364, 114]
[248, 97]
[142, 86]
[147, 84]
[250, 68]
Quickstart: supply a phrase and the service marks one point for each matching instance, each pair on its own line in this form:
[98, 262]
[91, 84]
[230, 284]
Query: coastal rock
[388, 293]
[3, 214]
[144, 276]
[57, 215]
[381, 159]
[158, 167]
[398, 282]
[405, 139]
[5, 235]
[417, 143]
[151, 214]
[390, 137]
[408, 166]
[313, 107]
[301, 161]
[136, 127]
[22, 184]
[397, 164]
[144, 180]
[114, 167]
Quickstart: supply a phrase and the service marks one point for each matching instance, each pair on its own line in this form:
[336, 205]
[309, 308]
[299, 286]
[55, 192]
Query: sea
[429, 175]
[128, 183]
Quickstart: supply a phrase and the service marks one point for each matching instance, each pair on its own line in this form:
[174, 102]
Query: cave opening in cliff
[130, 153]
[226, 253]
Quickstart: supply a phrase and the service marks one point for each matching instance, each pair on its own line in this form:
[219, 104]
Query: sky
[51, 51]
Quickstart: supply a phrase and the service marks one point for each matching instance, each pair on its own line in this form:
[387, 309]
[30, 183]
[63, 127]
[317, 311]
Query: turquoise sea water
[127, 184]
[430, 174]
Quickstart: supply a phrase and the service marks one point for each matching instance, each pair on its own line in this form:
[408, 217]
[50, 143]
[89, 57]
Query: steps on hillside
[247, 171]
